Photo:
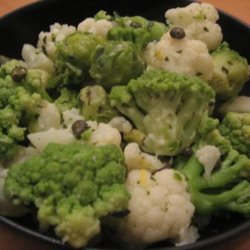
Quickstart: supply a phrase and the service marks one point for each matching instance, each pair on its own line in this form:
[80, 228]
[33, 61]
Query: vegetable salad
[128, 126]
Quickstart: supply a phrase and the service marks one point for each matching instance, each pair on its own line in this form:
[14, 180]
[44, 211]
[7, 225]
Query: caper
[78, 127]
[18, 73]
[187, 151]
[177, 33]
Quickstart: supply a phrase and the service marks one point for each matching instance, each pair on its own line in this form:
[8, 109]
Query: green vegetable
[167, 107]
[68, 99]
[236, 128]
[94, 104]
[230, 72]
[73, 186]
[227, 188]
[73, 59]
[115, 63]
[19, 105]
[137, 30]
[102, 14]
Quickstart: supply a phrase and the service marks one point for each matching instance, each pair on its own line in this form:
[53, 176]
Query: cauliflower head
[136, 159]
[185, 56]
[199, 22]
[160, 208]
[98, 27]
[72, 186]
[47, 40]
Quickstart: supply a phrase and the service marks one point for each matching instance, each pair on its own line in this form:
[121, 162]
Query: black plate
[23, 26]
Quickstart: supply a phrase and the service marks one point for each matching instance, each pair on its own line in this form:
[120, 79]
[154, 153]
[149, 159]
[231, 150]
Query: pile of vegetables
[127, 126]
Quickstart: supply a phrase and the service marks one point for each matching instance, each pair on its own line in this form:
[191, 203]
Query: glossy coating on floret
[72, 186]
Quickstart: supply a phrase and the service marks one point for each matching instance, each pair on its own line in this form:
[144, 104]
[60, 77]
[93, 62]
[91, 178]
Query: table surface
[12, 240]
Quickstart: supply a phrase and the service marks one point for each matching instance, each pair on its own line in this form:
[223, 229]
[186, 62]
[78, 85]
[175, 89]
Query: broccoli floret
[136, 29]
[102, 14]
[227, 188]
[167, 107]
[115, 63]
[19, 104]
[72, 186]
[235, 127]
[94, 104]
[230, 72]
[68, 99]
[72, 58]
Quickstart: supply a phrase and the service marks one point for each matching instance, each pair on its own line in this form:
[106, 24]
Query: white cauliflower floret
[136, 159]
[49, 117]
[96, 27]
[70, 116]
[36, 59]
[120, 123]
[239, 104]
[41, 139]
[47, 40]
[185, 56]
[208, 156]
[105, 135]
[160, 208]
[199, 22]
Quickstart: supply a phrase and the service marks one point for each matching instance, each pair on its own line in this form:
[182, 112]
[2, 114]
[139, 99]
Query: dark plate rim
[201, 244]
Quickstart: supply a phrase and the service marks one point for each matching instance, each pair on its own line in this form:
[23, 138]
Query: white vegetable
[160, 208]
[41, 139]
[120, 123]
[47, 40]
[240, 104]
[199, 22]
[208, 157]
[105, 135]
[70, 116]
[136, 159]
[185, 56]
[49, 117]
[96, 27]
[36, 59]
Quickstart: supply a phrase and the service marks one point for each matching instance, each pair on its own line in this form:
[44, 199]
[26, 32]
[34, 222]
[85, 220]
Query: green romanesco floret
[230, 72]
[68, 99]
[115, 63]
[18, 107]
[72, 59]
[167, 107]
[137, 30]
[227, 187]
[72, 187]
[236, 128]
[94, 104]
